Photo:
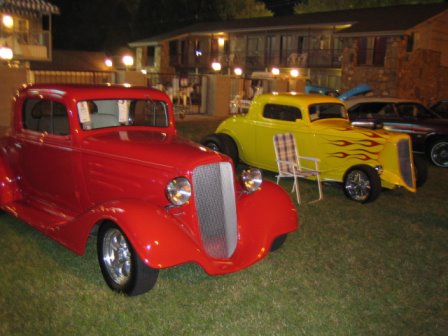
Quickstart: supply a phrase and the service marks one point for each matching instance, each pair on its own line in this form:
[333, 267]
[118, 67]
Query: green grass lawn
[351, 269]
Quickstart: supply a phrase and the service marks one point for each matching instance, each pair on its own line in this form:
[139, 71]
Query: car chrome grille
[404, 153]
[214, 191]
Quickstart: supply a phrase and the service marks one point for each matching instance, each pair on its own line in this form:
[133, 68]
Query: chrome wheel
[357, 185]
[362, 184]
[117, 256]
[122, 268]
[439, 153]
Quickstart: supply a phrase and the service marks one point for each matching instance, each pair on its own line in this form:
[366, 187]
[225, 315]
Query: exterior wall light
[238, 71]
[128, 60]
[216, 66]
[8, 21]
[6, 53]
[221, 41]
[108, 63]
[294, 73]
[275, 71]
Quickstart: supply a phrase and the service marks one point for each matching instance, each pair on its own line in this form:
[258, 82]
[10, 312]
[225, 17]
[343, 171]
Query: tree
[237, 9]
[308, 6]
[108, 25]
[93, 25]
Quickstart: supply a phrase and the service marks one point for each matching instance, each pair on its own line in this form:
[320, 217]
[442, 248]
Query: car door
[275, 119]
[417, 119]
[46, 155]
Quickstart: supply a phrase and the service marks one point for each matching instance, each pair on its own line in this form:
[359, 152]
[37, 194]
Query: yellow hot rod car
[364, 159]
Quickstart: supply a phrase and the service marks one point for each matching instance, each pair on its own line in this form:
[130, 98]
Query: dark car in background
[428, 130]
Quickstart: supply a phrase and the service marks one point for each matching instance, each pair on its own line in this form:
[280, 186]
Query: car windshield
[326, 111]
[102, 113]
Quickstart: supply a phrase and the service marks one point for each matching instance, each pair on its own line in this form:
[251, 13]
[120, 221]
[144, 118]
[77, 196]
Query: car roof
[304, 98]
[81, 91]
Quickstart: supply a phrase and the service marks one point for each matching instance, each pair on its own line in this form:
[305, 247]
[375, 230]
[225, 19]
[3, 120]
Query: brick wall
[416, 75]
[383, 80]
[422, 77]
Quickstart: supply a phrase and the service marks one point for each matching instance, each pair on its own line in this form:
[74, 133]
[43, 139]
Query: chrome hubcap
[439, 154]
[117, 256]
[358, 185]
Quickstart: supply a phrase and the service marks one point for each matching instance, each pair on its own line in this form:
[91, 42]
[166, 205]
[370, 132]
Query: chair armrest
[309, 158]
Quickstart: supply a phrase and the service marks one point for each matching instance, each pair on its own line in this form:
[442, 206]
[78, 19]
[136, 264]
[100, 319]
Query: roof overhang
[157, 40]
[370, 33]
[28, 7]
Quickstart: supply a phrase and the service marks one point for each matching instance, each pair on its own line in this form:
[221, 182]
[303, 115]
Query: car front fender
[157, 237]
[161, 240]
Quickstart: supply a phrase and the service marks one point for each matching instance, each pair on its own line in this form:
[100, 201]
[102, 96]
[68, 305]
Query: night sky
[75, 29]
[280, 7]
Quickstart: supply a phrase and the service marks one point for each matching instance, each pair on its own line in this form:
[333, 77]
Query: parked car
[83, 159]
[428, 131]
[321, 127]
[441, 108]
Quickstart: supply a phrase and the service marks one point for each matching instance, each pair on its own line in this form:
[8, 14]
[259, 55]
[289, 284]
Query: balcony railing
[256, 61]
[27, 46]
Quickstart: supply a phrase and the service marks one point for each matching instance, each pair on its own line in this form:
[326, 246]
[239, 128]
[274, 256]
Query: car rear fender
[241, 131]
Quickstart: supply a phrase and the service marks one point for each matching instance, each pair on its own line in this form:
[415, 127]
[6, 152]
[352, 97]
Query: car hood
[356, 91]
[342, 128]
[151, 148]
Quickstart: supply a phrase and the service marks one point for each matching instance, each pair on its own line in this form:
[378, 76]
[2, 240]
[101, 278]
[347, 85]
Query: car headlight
[178, 190]
[251, 179]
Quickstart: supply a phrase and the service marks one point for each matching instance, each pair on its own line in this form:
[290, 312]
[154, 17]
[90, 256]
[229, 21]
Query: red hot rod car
[106, 160]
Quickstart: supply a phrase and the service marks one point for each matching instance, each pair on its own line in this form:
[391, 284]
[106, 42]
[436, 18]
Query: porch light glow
[216, 66]
[6, 53]
[238, 71]
[128, 60]
[275, 71]
[108, 62]
[8, 21]
[294, 73]
[221, 41]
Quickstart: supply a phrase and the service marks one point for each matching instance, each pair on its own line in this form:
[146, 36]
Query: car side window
[411, 110]
[281, 112]
[372, 110]
[45, 116]
[326, 111]
[441, 107]
[149, 113]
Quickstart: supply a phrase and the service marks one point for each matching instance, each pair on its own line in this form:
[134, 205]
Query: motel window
[371, 51]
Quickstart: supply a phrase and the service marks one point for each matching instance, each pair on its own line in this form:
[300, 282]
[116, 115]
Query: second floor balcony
[28, 46]
[259, 61]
